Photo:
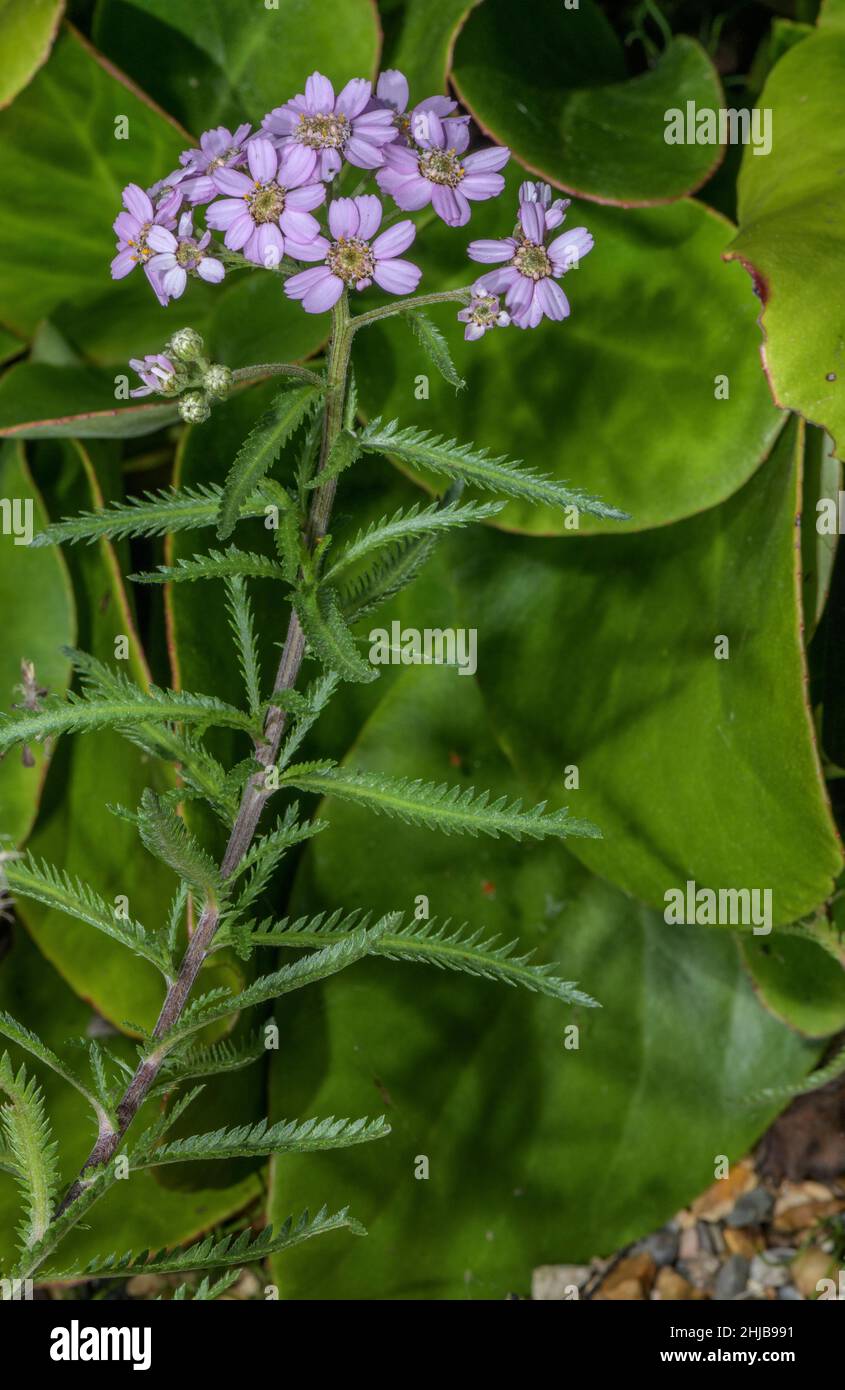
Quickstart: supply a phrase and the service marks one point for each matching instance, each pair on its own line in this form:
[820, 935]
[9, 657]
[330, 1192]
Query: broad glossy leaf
[791, 216]
[478, 1079]
[39, 401]
[822, 483]
[799, 982]
[36, 601]
[694, 767]
[423, 51]
[59, 153]
[551, 83]
[620, 399]
[27, 30]
[241, 58]
[135, 1213]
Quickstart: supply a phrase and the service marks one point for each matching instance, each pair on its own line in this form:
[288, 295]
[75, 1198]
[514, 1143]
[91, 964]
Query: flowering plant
[276, 195]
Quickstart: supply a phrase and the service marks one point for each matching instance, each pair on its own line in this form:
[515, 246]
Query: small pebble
[752, 1208]
[663, 1247]
[732, 1277]
[767, 1272]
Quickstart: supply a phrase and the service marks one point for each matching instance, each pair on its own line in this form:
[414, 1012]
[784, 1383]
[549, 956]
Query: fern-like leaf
[264, 855]
[422, 449]
[28, 877]
[261, 1140]
[216, 564]
[453, 810]
[206, 1290]
[411, 523]
[260, 450]
[154, 514]
[89, 712]
[343, 453]
[323, 623]
[393, 573]
[434, 346]
[30, 1149]
[242, 623]
[167, 837]
[218, 1253]
[16, 1032]
[220, 1004]
[218, 1059]
[461, 949]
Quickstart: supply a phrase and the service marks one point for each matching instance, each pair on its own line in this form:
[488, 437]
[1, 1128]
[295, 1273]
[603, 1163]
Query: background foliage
[595, 646]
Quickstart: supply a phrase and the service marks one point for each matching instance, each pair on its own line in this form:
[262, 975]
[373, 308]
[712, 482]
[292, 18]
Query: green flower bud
[194, 407]
[185, 344]
[217, 380]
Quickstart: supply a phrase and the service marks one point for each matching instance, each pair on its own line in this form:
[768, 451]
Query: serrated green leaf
[343, 453]
[412, 522]
[30, 1149]
[434, 346]
[216, 564]
[261, 449]
[321, 616]
[167, 837]
[261, 1140]
[453, 810]
[31, 1043]
[29, 878]
[422, 449]
[153, 514]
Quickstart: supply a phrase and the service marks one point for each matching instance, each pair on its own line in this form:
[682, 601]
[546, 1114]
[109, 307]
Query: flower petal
[211, 269]
[352, 98]
[397, 277]
[369, 214]
[319, 94]
[532, 221]
[160, 239]
[392, 87]
[123, 262]
[239, 232]
[491, 251]
[224, 212]
[479, 187]
[497, 281]
[297, 286]
[262, 159]
[269, 246]
[305, 198]
[394, 241]
[362, 153]
[410, 194]
[315, 250]
[552, 299]
[137, 202]
[343, 218]
[296, 165]
[323, 296]
[449, 204]
[233, 182]
[488, 160]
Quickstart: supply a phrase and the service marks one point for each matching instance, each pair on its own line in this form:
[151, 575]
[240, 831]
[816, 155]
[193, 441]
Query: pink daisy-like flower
[133, 227]
[353, 260]
[481, 314]
[529, 279]
[541, 193]
[331, 129]
[438, 172]
[268, 212]
[392, 91]
[177, 255]
[220, 148]
[157, 373]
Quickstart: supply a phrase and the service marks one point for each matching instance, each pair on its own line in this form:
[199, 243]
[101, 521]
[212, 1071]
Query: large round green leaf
[696, 766]
[537, 1151]
[60, 154]
[27, 30]
[791, 238]
[241, 59]
[550, 81]
[627, 398]
[36, 600]
[423, 51]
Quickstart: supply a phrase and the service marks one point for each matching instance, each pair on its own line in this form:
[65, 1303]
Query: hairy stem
[403, 306]
[262, 369]
[255, 793]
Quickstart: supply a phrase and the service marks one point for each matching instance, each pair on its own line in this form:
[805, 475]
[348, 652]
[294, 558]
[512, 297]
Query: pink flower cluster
[261, 189]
